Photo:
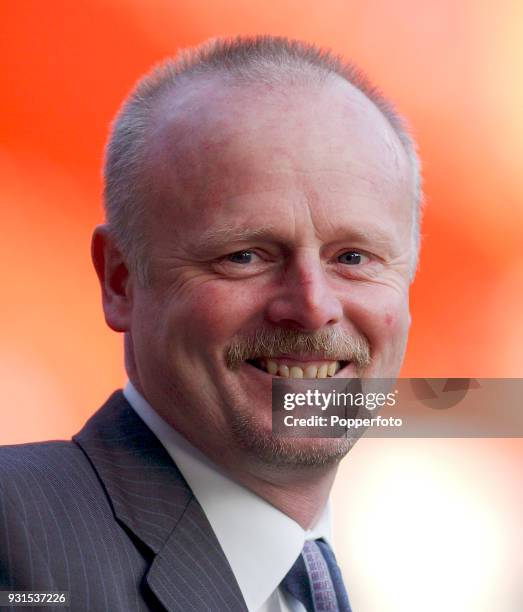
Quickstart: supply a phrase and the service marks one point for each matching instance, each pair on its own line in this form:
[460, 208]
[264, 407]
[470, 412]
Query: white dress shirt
[260, 542]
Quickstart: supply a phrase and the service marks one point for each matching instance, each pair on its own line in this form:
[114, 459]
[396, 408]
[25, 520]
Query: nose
[306, 300]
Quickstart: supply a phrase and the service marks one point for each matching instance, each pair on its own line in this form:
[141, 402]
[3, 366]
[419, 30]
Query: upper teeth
[307, 371]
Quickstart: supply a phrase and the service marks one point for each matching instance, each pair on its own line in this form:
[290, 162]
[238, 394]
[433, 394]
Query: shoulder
[53, 461]
[15, 456]
[58, 529]
[45, 477]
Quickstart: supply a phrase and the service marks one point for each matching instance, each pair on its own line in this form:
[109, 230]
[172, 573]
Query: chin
[259, 444]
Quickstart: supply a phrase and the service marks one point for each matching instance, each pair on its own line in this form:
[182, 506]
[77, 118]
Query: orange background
[453, 68]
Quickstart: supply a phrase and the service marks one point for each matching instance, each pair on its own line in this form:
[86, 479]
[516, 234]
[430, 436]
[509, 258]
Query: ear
[115, 280]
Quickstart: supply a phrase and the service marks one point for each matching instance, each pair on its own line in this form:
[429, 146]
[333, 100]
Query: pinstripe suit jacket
[109, 518]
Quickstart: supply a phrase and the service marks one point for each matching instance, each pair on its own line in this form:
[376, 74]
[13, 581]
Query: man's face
[280, 244]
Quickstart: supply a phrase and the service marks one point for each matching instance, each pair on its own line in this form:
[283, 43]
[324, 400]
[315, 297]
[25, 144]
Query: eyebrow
[218, 237]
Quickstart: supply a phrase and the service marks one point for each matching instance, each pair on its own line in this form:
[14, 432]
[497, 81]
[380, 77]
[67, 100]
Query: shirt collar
[260, 542]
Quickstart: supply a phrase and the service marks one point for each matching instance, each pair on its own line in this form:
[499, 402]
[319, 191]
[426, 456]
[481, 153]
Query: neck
[300, 493]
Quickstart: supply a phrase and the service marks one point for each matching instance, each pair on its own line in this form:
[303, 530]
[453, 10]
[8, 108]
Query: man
[262, 217]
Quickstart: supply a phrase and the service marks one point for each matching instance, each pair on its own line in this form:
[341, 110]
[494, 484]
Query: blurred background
[421, 525]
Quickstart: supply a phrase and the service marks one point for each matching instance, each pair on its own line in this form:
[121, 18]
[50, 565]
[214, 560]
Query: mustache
[334, 345]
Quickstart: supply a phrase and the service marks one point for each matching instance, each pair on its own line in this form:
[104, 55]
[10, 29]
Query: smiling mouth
[295, 369]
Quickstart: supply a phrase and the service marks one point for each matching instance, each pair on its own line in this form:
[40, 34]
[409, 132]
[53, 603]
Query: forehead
[220, 151]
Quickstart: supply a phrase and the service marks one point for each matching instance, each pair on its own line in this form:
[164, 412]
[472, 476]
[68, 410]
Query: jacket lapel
[204, 579]
[151, 498]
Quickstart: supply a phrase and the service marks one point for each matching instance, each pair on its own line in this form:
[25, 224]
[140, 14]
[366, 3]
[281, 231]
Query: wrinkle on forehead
[205, 108]
[209, 128]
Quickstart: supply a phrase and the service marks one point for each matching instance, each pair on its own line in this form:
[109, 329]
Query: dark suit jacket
[109, 518]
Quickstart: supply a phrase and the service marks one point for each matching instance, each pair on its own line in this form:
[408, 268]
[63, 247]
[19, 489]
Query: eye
[243, 264]
[241, 257]
[352, 258]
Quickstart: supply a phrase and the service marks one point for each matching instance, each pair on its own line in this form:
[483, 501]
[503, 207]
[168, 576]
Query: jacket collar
[150, 497]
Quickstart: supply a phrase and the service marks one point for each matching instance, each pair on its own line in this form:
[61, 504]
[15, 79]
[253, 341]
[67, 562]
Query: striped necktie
[315, 580]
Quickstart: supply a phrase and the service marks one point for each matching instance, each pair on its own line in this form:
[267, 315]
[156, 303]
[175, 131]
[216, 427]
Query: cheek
[380, 313]
[216, 311]
[396, 323]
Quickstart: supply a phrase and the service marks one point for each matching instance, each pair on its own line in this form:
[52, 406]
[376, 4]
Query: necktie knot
[315, 579]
